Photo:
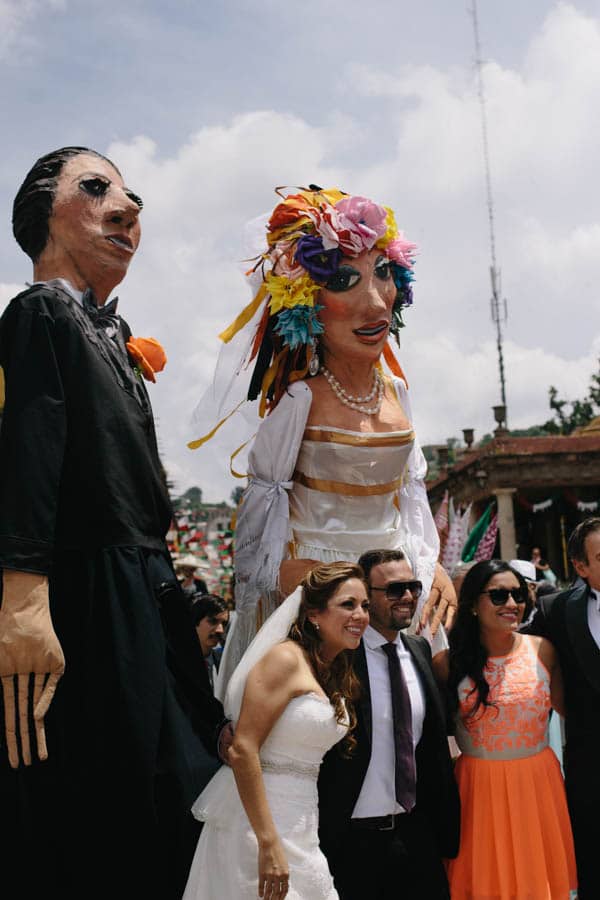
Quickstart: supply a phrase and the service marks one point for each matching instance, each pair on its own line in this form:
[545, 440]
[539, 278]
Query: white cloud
[8, 291]
[14, 16]
[413, 141]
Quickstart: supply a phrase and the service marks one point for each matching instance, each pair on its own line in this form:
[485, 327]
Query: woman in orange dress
[516, 841]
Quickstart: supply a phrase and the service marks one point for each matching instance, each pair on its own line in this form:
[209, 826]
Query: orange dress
[516, 841]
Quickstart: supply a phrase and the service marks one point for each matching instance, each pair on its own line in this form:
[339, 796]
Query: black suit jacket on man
[341, 778]
[562, 618]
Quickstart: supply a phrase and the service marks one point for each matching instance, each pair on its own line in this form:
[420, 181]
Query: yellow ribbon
[193, 445]
[245, 316]
[233, 456]
[268, 380]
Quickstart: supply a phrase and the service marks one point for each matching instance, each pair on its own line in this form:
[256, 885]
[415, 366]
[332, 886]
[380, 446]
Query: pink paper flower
[282, 256]
[366, 218]
[399, 250]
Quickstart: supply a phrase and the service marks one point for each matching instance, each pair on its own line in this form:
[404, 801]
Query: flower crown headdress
[307, 235]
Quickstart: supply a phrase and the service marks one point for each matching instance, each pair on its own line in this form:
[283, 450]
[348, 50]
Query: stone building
[542, 486]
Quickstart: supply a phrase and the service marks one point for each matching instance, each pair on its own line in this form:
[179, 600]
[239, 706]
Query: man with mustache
[106, 703]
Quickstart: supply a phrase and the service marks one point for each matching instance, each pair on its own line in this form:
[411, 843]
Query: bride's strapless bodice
[345, 495]
[304, 732]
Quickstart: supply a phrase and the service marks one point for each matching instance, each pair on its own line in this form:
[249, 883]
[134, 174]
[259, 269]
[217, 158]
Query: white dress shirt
[378, 793]
[593, 615]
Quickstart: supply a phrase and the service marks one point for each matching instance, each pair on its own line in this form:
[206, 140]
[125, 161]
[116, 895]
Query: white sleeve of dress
[420, 536]
[262, 528]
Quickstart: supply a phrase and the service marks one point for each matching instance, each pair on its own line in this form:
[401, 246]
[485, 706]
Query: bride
[292, 698]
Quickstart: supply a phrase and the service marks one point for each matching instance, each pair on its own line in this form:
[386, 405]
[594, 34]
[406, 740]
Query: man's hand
[28, 645]
[440, 606]
[224, 742]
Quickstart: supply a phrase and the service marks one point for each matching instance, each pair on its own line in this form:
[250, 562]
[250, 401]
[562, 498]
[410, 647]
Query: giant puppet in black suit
[97, 779]
[373, 851]
[571, 620]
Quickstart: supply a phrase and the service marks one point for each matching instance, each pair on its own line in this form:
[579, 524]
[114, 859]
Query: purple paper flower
[320, 263]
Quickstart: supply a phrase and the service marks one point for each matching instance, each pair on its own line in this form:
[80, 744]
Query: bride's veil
[219, 799]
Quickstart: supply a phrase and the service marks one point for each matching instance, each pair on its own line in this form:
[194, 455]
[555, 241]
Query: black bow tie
[99, 314]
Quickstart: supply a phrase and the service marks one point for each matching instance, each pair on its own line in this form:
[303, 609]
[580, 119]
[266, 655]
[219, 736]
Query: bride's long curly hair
[337, 677]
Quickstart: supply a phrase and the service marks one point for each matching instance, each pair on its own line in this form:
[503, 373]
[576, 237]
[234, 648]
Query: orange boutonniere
[148, 356]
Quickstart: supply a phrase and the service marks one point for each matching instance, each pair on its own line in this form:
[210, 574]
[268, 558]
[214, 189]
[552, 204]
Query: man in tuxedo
[571, 620]
[110, 724]
[389, 812]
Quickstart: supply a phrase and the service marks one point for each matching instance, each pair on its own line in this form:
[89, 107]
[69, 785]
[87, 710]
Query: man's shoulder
[418, 646]
[555, 603]
[41, 299]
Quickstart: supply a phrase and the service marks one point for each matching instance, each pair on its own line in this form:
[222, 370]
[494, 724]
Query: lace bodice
[301, 737]
[516, 726]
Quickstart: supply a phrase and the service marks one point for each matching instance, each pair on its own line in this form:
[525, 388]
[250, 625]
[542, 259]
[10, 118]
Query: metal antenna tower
[498, 306]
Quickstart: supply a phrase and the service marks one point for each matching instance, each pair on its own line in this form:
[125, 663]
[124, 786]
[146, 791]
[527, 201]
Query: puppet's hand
[441, 602]
[28, 646]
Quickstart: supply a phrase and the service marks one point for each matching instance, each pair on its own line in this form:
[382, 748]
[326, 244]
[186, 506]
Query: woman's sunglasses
[499, 596]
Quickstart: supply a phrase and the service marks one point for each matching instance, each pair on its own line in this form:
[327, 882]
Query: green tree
[236, 494]
[192, 498]
[571, 414]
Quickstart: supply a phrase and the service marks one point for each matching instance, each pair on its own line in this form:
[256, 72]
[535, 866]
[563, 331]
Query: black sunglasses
[499, 596]
[395, 590]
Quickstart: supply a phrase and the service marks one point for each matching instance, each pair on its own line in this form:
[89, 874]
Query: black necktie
[405, 775]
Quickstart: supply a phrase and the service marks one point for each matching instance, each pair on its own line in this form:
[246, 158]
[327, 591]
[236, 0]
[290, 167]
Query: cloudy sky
[206, 105]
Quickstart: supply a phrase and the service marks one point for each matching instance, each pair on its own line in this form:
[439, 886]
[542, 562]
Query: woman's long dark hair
[337, 678]
[467, 654]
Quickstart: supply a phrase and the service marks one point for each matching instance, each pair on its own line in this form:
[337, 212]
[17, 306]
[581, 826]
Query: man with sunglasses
[393, 801]
[571, 620]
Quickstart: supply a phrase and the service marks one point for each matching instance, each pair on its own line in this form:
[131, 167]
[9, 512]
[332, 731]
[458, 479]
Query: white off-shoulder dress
[328, 494]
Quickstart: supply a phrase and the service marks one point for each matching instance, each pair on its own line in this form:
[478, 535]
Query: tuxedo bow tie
[98, 312]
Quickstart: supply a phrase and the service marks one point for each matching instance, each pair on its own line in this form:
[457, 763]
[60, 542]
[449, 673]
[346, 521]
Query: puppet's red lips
[121, 241]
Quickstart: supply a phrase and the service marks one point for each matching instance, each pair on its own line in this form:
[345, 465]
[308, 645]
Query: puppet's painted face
[94, 225]
[358, 303]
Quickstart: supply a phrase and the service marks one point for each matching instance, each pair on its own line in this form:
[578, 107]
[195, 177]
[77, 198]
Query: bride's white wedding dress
[225, 865]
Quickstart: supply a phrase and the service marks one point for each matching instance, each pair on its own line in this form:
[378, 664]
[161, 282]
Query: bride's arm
[270, 686]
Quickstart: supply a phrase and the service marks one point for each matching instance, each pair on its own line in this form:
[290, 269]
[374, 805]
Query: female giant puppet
[335, 468]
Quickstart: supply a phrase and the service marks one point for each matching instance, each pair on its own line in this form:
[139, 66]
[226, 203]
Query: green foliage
[571, 414]
[236, 494]
[192, 498]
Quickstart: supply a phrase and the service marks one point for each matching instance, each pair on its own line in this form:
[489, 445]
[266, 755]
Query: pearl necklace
[357, 403]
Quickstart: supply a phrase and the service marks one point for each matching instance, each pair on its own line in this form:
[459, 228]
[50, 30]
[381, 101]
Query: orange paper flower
[148, 355]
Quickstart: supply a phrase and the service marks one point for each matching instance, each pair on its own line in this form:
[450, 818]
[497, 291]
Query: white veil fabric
[219, 800]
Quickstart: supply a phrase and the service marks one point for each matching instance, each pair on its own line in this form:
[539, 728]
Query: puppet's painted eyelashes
[95, 187]
[137, 200]
[383, 268]
[344, 279]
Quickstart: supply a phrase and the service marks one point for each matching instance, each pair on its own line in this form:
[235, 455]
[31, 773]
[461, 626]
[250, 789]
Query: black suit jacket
[341, 778]
[562, 618]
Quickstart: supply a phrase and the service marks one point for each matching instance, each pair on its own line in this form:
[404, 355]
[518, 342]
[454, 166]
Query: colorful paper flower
[368, 219]
[288, 211]
[400, 250]
[320, 263]
[147, 355]
[299, 326]
[289, 293]
[283, 262]
[391, 229]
